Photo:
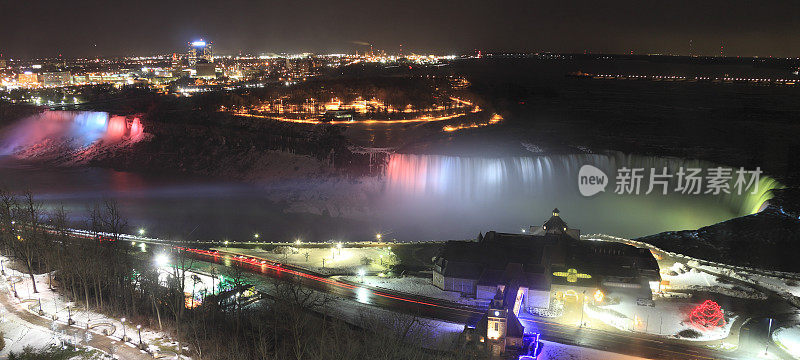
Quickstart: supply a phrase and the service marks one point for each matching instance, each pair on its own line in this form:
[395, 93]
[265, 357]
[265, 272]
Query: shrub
[689, 334]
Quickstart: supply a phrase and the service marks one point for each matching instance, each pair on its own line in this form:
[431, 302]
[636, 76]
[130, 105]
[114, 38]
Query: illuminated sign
[572, 275]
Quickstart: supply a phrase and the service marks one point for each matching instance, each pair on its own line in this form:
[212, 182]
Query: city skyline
[706, 28]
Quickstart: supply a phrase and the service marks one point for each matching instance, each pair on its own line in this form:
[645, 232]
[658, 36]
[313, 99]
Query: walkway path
[103, 343]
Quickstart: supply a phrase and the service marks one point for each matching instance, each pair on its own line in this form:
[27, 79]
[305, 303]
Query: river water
[418, 197]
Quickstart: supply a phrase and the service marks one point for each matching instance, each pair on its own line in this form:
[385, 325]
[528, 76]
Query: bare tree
[31, 234]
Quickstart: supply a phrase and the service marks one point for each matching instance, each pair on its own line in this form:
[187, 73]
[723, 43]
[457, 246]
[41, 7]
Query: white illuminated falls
[508, 190]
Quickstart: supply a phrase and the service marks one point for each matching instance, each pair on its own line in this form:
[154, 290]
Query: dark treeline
[10, 112]
[103, 274]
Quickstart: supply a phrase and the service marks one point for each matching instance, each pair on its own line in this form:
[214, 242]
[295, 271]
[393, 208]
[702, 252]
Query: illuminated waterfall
[477, 180]
[65, 131]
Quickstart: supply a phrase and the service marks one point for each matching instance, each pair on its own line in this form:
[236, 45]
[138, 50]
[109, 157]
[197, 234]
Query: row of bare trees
[104, 274]
[93, 269]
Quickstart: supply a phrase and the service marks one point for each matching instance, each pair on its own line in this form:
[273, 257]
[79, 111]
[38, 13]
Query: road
[635, 344]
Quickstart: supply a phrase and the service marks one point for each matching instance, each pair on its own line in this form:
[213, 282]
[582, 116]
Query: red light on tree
[707, 315]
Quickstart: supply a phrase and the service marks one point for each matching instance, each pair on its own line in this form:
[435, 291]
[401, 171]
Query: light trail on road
[567, 334]
[266, 264]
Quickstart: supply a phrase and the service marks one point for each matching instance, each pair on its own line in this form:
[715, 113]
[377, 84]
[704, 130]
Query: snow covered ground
[683, 277]
[337, 261]
[556, 351]
[18, 334]
[788, 339]
[777, 284]
[414, 285]
[56, 306]
[666, 318]
[786, 285]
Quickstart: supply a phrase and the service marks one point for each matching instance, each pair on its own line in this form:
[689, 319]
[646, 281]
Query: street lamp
[139, 328]
[141, 232]
[124, 333]
[69, 314]
[769, 336]
[161, 260]
[226, 244]
[378, 236]
[583, 303]
[339, 246]
[255, 235]
[297, 242]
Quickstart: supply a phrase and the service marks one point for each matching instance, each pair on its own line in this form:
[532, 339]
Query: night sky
[109, 27]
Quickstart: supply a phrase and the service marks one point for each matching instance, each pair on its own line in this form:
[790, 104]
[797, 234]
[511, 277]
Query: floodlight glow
[198, 43]
[161, 260]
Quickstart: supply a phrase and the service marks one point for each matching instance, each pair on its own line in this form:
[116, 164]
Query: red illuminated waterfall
[136, 128]
[116, 128]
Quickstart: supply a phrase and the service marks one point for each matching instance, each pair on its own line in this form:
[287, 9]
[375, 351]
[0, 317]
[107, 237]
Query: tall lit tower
[200, 51]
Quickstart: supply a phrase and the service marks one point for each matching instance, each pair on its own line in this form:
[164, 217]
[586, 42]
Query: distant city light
[198, 43]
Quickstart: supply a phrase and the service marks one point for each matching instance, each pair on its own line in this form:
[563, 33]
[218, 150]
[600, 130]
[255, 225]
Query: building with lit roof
[527, 271]
[551, 262]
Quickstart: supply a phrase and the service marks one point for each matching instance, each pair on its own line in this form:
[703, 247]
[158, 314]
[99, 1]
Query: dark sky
[111, 27]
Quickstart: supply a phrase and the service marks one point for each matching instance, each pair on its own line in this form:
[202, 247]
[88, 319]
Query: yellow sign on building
[572, 275]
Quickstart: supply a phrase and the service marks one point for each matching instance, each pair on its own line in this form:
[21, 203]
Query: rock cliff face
[212, 152]
[769, 240]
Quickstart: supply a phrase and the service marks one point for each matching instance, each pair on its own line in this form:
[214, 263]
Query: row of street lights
[378, 236]
[125, 333]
